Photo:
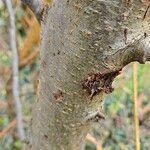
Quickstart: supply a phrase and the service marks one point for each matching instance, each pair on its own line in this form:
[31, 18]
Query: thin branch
[140, 100]
[9, 127]
[15, 70]
[146, 109]
[138, 50]
[94, 141]
[135, 109]
[36, 6]
[144, 112]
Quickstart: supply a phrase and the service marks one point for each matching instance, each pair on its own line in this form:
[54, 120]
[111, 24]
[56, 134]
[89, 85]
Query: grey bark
[80, 38]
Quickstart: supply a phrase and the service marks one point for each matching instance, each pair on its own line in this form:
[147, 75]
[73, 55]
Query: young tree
[85, 44]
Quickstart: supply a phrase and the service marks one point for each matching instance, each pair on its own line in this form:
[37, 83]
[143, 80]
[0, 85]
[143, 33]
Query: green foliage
[5, 59]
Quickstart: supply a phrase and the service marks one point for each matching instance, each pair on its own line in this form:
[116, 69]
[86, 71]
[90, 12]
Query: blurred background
[116, 132]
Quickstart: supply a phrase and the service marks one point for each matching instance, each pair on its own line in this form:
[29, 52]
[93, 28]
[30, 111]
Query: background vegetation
[116, 132]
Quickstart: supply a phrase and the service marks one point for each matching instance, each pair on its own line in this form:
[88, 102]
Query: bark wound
[96, 83]
[59, 96]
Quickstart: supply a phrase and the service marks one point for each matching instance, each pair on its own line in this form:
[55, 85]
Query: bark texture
[85, 43]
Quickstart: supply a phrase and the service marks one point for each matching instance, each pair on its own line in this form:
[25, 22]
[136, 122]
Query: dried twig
[15, 70]
[136, 120]
[6, 130]
[140, 100]
[94, 141]
[144, 112]
[146, 109]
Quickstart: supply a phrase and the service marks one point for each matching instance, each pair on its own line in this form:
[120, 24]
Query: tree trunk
[85, 44]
